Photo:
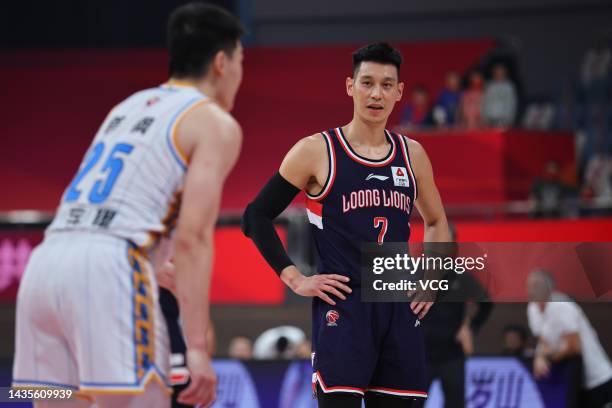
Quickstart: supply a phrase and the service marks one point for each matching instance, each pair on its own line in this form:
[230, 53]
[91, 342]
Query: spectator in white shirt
[500, 99]
[563, 331]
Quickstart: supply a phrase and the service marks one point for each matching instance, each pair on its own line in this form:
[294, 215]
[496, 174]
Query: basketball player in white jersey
[87, 312]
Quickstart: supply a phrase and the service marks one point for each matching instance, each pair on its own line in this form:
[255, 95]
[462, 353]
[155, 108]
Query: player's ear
[219, 62]
[349, 86]
[400, 91]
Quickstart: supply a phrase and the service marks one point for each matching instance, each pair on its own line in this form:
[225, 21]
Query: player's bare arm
[211, 139]
[430, 207]
[305, 167]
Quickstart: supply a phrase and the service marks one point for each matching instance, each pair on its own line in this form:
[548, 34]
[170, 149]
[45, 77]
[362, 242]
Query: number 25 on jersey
[107, 175]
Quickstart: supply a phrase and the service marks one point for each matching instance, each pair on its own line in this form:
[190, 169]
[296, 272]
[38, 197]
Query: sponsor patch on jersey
[400, 176]
[376, 176]
[332, 318]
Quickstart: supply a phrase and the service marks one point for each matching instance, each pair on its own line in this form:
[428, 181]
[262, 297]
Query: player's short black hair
[196, 32]
[377, 52]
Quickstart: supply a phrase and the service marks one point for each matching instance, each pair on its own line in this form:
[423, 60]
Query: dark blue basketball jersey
[362, 201]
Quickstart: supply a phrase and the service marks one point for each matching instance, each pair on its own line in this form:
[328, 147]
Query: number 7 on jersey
[381, 221]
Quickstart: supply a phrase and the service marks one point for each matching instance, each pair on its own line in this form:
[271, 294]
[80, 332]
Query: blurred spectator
[563, 331]
[449, 330]
[500, 99]
[471, 101]
[446, 108]
[240, 347]
[597, 185]
[549, 192]
[539, 116]
[515, 338]
[596, 67]
[278, 343]
[417, 114]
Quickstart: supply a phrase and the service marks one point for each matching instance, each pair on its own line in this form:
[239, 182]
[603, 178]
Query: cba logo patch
[400, 176]
[332, 317]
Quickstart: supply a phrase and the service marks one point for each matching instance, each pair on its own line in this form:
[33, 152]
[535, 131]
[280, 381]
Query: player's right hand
[322, 286]
[203, 387]
[165, 275]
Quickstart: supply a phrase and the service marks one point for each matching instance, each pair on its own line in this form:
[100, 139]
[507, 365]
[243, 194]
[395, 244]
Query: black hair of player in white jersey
[380, 52]
[196, 32]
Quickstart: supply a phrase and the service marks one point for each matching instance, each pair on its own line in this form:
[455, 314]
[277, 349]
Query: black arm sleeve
[257, 220]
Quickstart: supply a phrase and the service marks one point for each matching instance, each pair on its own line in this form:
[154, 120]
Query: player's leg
[399, 377]
[344, 349]
[43, 356]
[155, 395]
[121, 336]
[179, 375]
[338, 399]
[452, 376]
[74, 402]
[378, 400]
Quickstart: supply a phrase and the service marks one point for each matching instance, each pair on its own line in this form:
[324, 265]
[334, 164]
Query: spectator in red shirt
[470, 106]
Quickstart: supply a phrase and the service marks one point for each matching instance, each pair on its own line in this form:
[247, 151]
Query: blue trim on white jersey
[177, 157]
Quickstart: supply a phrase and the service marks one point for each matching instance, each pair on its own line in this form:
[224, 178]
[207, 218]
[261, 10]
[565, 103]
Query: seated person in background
[417, 114]
[241, 348]
[563, 331]
[500, 100]
[446, 108]
[471, 102]
[515, 341]
[549, 192]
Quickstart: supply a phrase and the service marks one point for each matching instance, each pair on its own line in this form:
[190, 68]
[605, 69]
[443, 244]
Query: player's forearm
[193, 260]
[291, 276]
[258, 221]
[437, 231]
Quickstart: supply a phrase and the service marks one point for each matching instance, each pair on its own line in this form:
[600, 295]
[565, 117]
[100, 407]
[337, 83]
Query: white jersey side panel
[130, 181]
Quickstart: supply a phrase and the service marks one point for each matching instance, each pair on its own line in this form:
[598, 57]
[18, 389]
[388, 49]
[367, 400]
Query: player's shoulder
[210, 117]
[311, 146]
[415, 149]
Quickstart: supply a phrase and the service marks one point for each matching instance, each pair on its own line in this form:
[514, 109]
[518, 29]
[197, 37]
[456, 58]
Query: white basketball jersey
[130, 181]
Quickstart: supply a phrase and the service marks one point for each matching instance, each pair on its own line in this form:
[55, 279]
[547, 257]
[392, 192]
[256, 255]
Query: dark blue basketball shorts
[359, 347]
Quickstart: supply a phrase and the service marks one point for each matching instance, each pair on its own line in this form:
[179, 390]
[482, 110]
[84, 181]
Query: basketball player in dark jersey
[361, 183]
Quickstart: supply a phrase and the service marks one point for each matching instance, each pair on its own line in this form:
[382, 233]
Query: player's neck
[204, 86]
[363, 133]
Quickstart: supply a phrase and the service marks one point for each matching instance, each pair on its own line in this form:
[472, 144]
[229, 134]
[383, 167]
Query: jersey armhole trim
[405, 151]
[331, 174]
[172, 134]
